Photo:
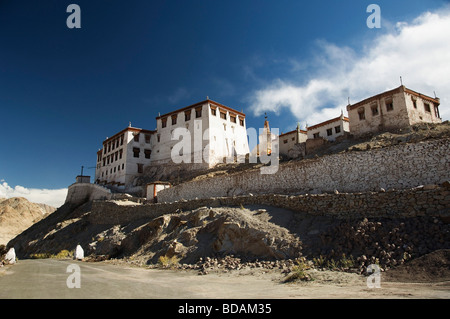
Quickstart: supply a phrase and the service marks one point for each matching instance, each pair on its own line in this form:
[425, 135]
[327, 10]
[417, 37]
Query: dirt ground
[46, 278]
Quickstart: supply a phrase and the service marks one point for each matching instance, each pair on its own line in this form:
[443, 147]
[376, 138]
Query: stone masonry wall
[79, 193]
[430, 200]
[397, 167]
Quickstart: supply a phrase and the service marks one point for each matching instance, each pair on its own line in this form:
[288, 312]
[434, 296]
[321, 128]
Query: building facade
[330, 129]
[288, 141]
[392, 110]
[205, 134]
[123, 156]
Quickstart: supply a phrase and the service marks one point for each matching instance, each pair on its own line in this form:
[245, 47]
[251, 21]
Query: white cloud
[52, 197]
[419, 51]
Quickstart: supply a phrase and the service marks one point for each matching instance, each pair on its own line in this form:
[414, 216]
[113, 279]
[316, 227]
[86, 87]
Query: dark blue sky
[63, 91]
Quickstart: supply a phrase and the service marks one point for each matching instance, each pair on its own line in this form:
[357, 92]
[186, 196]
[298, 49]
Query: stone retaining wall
[399, 167]
[79, 193]
[431, 200]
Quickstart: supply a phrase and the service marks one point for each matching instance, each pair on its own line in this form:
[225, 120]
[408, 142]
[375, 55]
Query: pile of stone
[386, 242]
[231, 263]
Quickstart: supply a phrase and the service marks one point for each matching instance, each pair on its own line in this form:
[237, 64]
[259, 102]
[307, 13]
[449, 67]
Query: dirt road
[51, 278]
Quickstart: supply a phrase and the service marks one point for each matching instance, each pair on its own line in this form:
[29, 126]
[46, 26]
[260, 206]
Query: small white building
[392, 110]
[288, 141]
[153, 188]
[330, 129]
[123, 157]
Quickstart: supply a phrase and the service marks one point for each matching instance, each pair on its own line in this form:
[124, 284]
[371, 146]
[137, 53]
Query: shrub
[168, 262]
[299, 272]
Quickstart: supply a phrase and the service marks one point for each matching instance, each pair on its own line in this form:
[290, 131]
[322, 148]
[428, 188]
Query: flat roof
[134, 129]
[327, 122]
[390, 92]
[294, 131]
[199, 104]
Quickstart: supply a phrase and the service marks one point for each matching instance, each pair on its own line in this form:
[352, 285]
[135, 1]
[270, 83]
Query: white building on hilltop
[392, 110]
[330, 129]
[204, 134]
[123, 156]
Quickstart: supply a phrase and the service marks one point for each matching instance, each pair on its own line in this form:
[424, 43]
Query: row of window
[111, 145]
[198, 113]
[113, 170]
[137, 136]
[137, 151]
[374, 109]
[337, 130]
[118, 168]
[113, 157]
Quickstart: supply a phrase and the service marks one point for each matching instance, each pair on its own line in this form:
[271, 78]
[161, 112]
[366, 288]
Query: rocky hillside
[261, 236]
[17, 214]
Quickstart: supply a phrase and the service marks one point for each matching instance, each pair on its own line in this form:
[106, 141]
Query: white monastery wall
[399, 167]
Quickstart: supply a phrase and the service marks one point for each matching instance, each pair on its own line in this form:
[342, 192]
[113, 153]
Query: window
[374, 109]
[241, 122]
[285, 141]
[223, 115]
[123, 165]
[147, 138]
[436, 111]
[120, 154]
[187, 115]
[121, 140]
[361, 114]
[337, 129]
[147, 153]
[293, 138]
[174, 119]
[329, 132]
[198, 112]
[389, 105]
[158, 138]
[140, 168]
[118, 168]
[117, 142]
[427, 107]
[233, 118]
[114, 169]
[414, 101]
[136, 137]
[116, 155]
[316, 135]
[104, 161]
[136, 151]
[107, 161]
[213, 111]
[163, 122]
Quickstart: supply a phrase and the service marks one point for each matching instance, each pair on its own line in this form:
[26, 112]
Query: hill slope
[17, 214]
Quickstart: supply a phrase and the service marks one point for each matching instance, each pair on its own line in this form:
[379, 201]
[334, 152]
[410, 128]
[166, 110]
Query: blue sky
[63, 91]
